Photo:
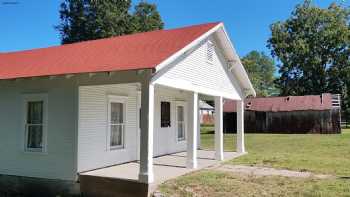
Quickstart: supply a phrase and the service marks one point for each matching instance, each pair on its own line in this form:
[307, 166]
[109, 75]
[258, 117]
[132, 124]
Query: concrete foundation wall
[16, 186]
[92, 186]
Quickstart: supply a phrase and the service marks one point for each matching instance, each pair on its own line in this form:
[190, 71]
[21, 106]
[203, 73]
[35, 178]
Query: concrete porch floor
[165, 167]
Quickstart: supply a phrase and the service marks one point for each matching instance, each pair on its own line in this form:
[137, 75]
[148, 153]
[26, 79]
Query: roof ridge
[109, 38]
[271, 97]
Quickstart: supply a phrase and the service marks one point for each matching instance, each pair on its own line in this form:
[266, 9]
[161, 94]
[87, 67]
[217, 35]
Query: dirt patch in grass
[264, 171]
[215, 183]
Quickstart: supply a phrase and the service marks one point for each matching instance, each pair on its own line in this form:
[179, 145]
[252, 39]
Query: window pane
[180, 130]
[35, 136]
[117, 113]
[180, 113]
[116, 135]
[180, 122]
[165, 114]
[35, 112]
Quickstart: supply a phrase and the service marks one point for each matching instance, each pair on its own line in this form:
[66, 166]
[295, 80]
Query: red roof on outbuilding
[136, 51]
[284, 103]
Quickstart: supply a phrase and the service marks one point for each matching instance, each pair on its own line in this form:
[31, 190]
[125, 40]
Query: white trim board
[184, 85]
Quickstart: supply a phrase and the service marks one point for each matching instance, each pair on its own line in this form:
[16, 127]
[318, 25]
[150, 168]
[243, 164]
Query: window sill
[28, 152]
[181, 141]
[117, 148]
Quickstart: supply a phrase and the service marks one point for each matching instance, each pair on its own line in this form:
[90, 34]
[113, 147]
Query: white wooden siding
[165, 139]
[92, 151]
[92, 136]
[194, 70]
[59, 161]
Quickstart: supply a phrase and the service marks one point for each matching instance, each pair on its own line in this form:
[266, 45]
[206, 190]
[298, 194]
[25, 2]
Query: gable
[203, 69]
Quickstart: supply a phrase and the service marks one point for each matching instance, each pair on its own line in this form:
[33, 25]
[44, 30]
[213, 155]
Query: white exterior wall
[59, 161]
[93, 150]
[165, 139]
[194, 71]
[92, 143]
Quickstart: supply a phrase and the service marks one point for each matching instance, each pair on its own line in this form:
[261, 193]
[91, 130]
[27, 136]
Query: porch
[125, 177]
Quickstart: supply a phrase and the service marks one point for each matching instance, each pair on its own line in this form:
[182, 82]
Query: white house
[206, 112]
[79, 107]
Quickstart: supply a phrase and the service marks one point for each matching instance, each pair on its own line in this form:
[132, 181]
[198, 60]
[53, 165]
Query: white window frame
[35, 98]
[183, 104]
[116, 99]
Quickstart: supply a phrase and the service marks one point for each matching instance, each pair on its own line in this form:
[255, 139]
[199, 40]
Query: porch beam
[219, 134]
[240, 127]
[146, 174]
[192, 131]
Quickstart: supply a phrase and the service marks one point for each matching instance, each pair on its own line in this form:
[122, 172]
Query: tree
[261, 69]
[91, 19]
[146, 18]
[313, 48]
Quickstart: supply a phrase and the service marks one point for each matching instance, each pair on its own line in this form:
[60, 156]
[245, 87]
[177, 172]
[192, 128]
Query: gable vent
[210, 51]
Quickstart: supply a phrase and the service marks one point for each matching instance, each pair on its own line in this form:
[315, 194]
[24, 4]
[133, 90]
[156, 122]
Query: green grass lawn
[327, 154]
[324, 154]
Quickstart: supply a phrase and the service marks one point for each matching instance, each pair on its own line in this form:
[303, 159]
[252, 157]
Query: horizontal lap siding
[59, 161]
[197, 70]
[92, 143]
[165, 139]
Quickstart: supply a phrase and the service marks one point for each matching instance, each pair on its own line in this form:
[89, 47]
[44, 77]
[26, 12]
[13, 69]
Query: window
[180, 121]
[35, 123]
[165, 114]
[210, 51]
[116, 122]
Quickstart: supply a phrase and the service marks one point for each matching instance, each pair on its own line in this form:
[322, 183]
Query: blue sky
[30, 23]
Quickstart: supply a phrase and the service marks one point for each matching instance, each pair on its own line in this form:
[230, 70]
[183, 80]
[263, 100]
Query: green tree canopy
[313, 48]
[91, 19]
[261, 69]
[146, 18]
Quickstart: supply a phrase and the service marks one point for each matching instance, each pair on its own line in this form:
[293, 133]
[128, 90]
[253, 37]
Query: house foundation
[18, 186]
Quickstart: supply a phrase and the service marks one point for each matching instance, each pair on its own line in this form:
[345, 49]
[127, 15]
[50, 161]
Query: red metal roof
[136, 51]
[284, 103]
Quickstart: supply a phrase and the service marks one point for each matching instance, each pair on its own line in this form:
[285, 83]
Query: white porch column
[198, 127]
[192, 131]
[146, 137]
[219, 135]
[240, 127]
